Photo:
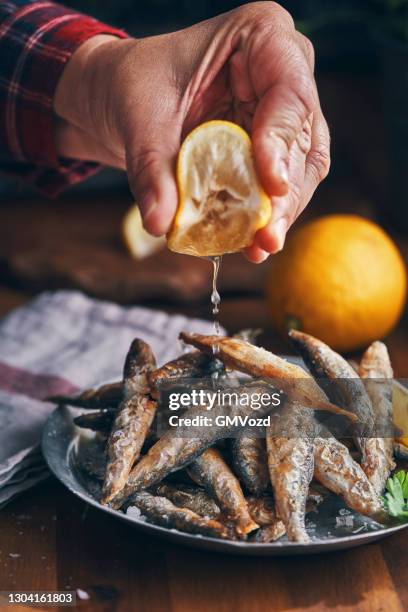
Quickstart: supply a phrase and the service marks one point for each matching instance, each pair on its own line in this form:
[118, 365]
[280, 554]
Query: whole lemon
[340, 278]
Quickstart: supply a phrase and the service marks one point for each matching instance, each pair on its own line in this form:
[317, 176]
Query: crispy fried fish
[176, 449]
[210, 471]
[190, 365]
[250, 359]
[376, 371]
[250, 463]
[133, 420]
[262, 510]
[289, 443]
[110, 395]
[106, 396]
[269, 533]
[339, 380]
[161, 511]
[335, 468]
[189, 496]
[96, 421]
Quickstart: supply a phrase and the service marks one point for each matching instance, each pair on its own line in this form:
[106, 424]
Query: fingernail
[280, 228]
[262, 257]
[149, 209]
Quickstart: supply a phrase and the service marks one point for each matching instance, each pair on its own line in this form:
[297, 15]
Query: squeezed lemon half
[138, 241]
[221, 202]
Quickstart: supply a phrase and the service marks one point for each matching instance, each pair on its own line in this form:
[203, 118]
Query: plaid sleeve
[36, 41]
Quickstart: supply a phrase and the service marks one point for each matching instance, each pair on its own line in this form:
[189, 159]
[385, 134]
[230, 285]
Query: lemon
[139, 243]
[339, 278]
[221, 202]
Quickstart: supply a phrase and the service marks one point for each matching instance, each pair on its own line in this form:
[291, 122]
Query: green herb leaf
[396, 496]
[403, 478]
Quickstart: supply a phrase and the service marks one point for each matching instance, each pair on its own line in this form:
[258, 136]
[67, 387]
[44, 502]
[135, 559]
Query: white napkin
[61, 343]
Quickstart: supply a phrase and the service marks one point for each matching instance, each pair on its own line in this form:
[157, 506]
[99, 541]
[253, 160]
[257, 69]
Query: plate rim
[63, 471]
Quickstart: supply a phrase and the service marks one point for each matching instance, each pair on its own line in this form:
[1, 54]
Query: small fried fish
[335, 468]
[339, 380]
[269, 533]
[175, 449]
[262, 509]
[189, 496]
[190, 365]
[161, 511]
[210, 471]
[289, 442]
[96, 421]
[258, 362]
[133, 420]
[250, 463]
[376, 371]
[106, 396]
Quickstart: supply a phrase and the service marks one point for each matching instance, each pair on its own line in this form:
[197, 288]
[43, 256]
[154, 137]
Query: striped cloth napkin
[60, 343]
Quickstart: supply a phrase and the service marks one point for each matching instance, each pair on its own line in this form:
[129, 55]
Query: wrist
[81, 97]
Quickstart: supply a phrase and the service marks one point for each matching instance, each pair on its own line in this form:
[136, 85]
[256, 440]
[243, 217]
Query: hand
[129, 103]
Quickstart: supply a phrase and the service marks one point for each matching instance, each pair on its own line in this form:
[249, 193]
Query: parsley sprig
[396, 495]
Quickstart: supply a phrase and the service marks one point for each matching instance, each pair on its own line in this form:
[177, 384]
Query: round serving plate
[331, 527]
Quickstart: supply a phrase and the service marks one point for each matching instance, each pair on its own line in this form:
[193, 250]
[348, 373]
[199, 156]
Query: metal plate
[332, 527]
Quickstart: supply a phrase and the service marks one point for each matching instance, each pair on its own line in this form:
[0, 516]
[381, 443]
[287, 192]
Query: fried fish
[106, 396]
[176, 449]
[289, 443]
[376, 371]
[339, 380]
[258, 362]
[189, 365]
[335, 468]
[162, 511]
[133, 420]
[189, 496]
[96, 421]
[249, 462]
[210, 471]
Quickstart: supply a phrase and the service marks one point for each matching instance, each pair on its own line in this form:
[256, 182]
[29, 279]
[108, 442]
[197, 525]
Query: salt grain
[82, 594]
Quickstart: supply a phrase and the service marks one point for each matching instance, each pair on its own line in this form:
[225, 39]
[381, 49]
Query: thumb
[150, 163]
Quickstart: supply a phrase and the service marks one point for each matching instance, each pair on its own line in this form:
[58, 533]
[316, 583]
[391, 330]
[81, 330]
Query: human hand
[129, 103]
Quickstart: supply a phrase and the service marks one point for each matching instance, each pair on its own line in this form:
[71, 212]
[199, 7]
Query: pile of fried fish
[243, 486]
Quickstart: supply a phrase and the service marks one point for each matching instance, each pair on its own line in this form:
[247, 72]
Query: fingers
[318, 158]
[285, 209]
[151, 172]
[309, 165]
[256, 255]
[284, 83]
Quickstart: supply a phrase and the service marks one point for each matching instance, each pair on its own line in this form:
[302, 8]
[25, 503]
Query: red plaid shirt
[36, 41]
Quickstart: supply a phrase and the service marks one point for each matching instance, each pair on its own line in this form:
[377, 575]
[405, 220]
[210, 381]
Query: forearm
[80, 97]
[37, 40]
